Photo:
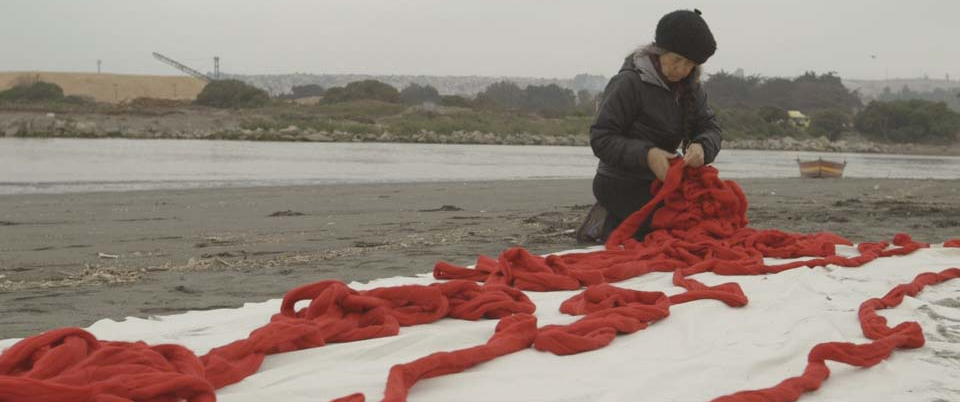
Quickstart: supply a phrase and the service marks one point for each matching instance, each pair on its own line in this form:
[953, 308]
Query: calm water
[78, 165]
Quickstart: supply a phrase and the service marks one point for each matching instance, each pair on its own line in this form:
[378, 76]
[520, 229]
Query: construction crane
[188, 70]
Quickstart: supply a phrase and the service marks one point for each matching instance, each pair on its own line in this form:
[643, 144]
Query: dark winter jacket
[640, 111]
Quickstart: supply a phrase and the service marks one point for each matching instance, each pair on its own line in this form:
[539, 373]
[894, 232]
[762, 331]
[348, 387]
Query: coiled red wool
[702, 227]
[68, 365]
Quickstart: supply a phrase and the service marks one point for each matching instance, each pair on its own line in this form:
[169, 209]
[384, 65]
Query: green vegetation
[830, 124]
[754, 107]
[367, 89]
[747, 123]
[486, 121]
[455, 101]
[367, 116]
[808, 92]
[232, 94]
[304, 91]
[415, 94]
[546, 100]
[751, 108]
[909, 121]
[950, 97]
[36, 92]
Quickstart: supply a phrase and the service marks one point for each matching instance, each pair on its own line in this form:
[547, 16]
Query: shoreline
[228, 125]
[72, 259]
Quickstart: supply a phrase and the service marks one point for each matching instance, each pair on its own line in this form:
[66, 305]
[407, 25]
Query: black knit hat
[686, 33]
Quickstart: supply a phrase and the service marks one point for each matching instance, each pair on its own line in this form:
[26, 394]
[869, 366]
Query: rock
[87, 127]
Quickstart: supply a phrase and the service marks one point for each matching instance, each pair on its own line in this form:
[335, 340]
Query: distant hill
[111, 88]
[115, 88]
[872, 89]
[905, 89]
[446, 85]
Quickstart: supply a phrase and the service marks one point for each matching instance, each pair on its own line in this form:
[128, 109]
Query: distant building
[798, 119]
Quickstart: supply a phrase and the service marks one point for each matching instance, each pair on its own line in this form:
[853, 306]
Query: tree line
[754, 106]
[545, 100]
[747, 106]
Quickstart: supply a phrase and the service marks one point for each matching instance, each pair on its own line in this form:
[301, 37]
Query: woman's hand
[694, 155]
[658, 161]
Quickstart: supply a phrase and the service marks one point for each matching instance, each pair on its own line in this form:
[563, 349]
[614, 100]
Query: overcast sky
[542, 38]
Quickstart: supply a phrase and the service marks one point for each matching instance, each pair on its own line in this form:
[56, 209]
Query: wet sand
[72, 259]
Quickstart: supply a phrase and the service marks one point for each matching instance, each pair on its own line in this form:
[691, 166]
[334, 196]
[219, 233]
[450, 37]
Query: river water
[37, 165]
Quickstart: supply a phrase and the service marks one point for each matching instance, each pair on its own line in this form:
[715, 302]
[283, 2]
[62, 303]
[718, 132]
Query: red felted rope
[702, 227]
[70, 364]
[608, 311]
[513, 333]
[886, 340]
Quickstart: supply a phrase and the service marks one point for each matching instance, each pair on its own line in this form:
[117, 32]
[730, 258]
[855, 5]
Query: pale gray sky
[545, 38]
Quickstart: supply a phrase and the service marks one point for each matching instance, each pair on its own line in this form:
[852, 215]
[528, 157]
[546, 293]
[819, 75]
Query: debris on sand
[443, 209]
[287, 213]
[368, 244]
[217, 241]
[90, 275]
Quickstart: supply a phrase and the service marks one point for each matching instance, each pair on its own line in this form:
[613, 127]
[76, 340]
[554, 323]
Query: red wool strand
[701, 227]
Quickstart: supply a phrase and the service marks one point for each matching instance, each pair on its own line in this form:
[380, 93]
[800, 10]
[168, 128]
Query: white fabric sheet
[703, 350]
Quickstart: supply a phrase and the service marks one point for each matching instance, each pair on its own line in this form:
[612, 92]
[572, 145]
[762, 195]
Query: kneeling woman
[652, 108]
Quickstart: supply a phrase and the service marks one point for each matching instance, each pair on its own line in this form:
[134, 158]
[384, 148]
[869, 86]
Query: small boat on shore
[820, 168]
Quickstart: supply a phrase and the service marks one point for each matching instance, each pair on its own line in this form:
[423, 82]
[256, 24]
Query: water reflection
[68, 165]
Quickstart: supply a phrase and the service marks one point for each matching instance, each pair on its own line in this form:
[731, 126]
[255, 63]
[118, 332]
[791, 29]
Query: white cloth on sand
[703, 350]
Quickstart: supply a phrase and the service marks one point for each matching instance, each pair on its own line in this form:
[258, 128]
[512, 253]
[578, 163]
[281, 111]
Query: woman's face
[675, 67]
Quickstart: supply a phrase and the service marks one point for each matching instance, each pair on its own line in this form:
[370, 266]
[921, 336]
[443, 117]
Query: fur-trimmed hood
[639, 60]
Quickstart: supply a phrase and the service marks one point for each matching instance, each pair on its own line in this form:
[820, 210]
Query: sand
[702, 350]
[72, 259]
[112, 88]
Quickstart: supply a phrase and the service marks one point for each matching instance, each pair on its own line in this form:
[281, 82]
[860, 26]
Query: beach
[72, 259]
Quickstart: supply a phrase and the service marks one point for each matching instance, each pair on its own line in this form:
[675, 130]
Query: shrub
[232, 94]
[829, 123]
[549, 100]
[367, 89]
[305, 91]
[908, 121]
[455, 101]
[415, 94]
[773, 114]
[36, 92]
[502, 95]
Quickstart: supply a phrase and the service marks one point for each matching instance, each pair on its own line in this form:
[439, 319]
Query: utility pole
[216, 67]
[98, 66]
[116, 96]
[174, 91]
